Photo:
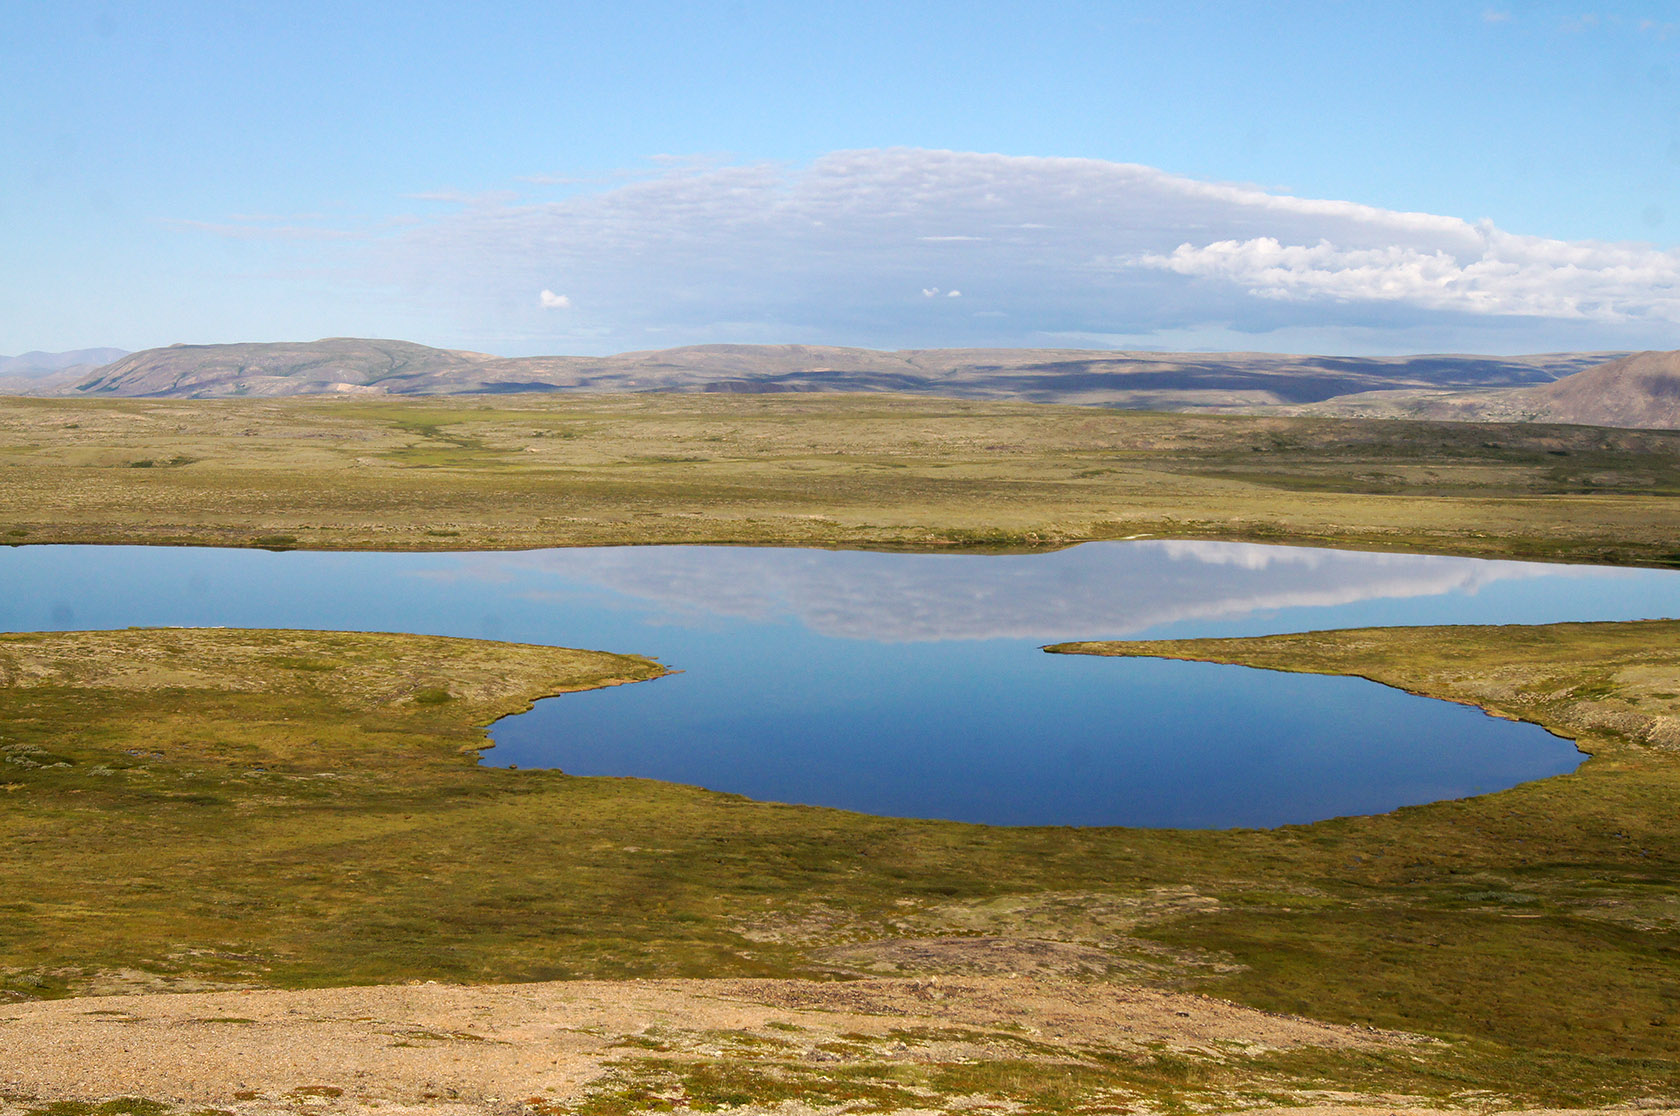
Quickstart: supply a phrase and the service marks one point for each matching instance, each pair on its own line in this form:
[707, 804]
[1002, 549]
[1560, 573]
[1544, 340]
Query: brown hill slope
[1638, 390]
[284, 368]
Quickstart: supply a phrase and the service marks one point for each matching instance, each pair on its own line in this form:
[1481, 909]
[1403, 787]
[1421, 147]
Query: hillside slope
[37, 363]
[39, 373]
[1162, 381]
[285, 368]
[1640, 390]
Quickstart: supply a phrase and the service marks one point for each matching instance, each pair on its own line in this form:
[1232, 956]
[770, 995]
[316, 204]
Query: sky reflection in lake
[1101, 589]
[912, 684]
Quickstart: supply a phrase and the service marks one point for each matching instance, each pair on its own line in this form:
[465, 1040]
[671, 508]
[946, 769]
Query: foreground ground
[210, 811]
[607, 1046]
[816, 470]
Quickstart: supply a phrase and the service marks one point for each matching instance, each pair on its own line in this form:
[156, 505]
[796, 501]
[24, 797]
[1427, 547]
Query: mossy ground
[198, 808]
[816, 470]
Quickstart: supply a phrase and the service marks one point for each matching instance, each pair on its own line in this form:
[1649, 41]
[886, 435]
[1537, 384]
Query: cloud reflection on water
[1089, 591]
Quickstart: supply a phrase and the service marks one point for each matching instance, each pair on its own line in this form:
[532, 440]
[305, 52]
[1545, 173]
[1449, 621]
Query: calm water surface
[912, 685]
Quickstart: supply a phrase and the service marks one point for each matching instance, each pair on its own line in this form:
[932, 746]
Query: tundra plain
[199, 810]
[817, 470]
[261, 815]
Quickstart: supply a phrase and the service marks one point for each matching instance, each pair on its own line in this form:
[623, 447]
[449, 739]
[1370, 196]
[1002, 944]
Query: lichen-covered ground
[289, 834]
[806, 469]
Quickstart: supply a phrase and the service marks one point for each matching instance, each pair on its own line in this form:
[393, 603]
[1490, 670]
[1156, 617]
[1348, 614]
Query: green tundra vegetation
[190, 808]
[814, 469]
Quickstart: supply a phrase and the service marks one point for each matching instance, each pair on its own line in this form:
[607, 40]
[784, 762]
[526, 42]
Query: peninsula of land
[222, 812]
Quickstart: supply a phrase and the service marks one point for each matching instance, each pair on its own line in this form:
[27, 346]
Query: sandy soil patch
[495, 1048]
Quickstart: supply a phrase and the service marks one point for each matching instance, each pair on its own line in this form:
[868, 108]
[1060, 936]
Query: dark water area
[913, 685]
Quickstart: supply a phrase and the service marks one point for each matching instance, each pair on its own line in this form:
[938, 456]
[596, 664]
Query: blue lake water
[913, 685]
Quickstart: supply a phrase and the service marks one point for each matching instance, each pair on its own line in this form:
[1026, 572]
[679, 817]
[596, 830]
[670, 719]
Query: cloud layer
[872, 247]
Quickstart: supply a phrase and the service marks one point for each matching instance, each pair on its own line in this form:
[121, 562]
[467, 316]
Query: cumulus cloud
[838, 250]
[551, 301]
[1502, 274]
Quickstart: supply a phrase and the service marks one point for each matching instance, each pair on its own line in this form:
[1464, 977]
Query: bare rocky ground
[515, 1050]
[507, 1049]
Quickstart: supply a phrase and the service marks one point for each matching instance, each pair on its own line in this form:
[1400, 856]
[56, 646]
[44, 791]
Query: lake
[913, 685]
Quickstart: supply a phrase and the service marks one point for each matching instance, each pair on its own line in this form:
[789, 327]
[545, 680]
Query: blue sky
[1335, 177]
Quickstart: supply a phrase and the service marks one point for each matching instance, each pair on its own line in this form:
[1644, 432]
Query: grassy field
[195, 808]
[816, 470]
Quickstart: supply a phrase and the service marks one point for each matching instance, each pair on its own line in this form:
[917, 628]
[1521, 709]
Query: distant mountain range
[1598, 388]
[50, 370]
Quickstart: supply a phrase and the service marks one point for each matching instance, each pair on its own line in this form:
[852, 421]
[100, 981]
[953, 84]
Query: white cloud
[701, 251]
[1508, 275]
[551, 301]
[953, 294]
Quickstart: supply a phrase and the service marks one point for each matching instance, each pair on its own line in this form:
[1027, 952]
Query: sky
[524, 178]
